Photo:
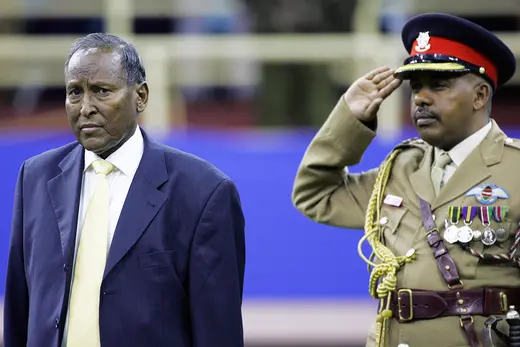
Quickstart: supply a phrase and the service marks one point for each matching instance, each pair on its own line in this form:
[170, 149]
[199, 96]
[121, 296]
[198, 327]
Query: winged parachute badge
[487, 194]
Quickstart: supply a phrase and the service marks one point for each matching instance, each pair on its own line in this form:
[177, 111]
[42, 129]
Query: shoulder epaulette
[412, 143]
[510, 142]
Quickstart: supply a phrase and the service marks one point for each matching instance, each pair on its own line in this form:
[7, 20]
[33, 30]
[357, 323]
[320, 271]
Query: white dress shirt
[461, 151]
[126, 161]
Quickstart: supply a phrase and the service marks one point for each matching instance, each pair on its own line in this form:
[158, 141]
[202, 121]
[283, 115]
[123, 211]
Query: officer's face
[101, 106]
[446, 108]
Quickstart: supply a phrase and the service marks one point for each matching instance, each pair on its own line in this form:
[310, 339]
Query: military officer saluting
[441, 212]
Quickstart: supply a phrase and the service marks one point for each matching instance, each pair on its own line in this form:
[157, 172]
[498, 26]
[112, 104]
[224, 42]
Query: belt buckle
[400, 313]
[465, 320]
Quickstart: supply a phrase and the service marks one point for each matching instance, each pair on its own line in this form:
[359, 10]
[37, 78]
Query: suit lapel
[475, 169]
[420, 179]
[142, 203]
[64, 189]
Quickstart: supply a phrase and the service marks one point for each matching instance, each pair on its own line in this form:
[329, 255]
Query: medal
[502, 235]
[465, 232]
[451, 233]
[489, 236]
[499, 213]
[477, 235]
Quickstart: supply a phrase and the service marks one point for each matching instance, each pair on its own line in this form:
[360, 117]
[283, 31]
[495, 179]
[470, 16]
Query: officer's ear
[482, 94]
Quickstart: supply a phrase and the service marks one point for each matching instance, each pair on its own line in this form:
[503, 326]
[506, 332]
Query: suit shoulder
[50, 157]
[193, 166]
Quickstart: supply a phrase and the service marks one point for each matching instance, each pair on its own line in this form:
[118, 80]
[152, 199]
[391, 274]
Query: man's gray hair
[130, 60]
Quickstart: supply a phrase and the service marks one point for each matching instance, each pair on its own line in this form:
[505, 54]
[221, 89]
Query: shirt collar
[127, 157]
[461, 151]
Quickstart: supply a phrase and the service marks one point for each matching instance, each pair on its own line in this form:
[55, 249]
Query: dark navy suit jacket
[175, 269]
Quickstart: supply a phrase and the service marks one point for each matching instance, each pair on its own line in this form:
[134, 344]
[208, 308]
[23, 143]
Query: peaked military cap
[446, 43]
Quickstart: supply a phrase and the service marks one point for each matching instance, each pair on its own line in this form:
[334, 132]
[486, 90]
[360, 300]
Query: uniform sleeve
[16, 299]
[323, 189]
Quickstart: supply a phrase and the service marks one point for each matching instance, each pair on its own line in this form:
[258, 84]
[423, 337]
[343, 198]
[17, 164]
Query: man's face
[443, 107]
[101, 107]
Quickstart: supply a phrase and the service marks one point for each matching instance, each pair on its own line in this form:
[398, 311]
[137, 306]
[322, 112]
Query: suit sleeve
[323, 189]
[16, 299]
[216, 271]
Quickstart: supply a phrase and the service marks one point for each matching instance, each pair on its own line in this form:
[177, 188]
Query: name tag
[393, 200]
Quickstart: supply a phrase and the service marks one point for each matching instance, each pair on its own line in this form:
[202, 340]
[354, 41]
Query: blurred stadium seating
[305, 284]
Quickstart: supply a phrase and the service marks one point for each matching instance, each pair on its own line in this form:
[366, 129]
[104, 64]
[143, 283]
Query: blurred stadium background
[244, 84]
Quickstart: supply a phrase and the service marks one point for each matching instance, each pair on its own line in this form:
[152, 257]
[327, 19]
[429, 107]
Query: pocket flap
[391, 218]
[154, 259]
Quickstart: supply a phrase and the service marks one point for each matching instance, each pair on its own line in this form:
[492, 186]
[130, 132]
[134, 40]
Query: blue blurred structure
[288, 256]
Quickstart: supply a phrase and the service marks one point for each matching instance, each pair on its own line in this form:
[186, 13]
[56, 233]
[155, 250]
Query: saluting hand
[365, 95]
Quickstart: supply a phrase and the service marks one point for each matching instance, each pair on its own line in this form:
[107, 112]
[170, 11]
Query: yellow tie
[83, 329]
[438, 171]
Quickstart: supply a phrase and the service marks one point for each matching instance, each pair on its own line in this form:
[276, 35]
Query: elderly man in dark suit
[116, 239]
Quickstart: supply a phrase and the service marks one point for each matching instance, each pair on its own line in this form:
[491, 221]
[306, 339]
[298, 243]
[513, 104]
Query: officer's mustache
[422, 112]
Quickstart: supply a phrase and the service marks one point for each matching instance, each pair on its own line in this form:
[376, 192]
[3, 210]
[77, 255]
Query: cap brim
[404, 71]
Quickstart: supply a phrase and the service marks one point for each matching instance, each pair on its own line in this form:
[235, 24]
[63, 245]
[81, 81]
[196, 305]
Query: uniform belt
[411, 304]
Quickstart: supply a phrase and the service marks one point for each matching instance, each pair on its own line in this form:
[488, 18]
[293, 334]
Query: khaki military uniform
[324, 192]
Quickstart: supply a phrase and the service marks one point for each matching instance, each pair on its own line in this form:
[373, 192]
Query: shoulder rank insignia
[413, 142]
[487, 194]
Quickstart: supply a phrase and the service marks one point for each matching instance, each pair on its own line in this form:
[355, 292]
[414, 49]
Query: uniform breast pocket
[392, 222]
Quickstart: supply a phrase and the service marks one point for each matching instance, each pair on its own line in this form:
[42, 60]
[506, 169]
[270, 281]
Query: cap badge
[423, 42]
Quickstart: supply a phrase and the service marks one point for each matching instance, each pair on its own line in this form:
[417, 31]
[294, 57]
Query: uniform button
[433, 216]
[65, 267]
[403, 345]
[509, 140]
[410, 252]
[57, 323]
[383, 220]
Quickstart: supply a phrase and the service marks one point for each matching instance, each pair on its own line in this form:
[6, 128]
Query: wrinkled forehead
[94, 64]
